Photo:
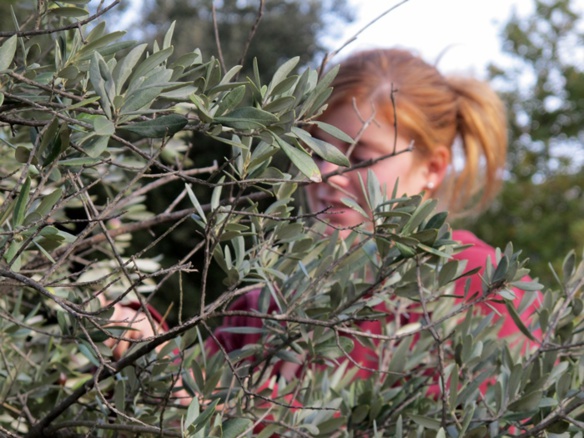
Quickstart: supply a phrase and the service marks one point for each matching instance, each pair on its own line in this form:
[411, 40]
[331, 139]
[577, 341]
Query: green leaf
[517, 320]
[335, 132]
[101, 42]
[235, 143]
[501, 270]
[420, 215]
[427, 422]
[568, 265]
[193, 412]
[311, 428]
[351, 203]
[405, 250]
[216, 195]
[80, 161]
[398, 360]
[528, 286]
[69, 72]
[282, 73]
[301, 160]
[202, 420]
[320, 93]
[269, 431]
[231, 99]
[152, 61]
[167, 41]
[103, 126]
[437, 221]
[120, 395]
[49, 201]
[202, 108]
[87, 351]
[526, 403]
[96, 32]
[11, 252]
[97, 68]
[22, 155]
[139, 99]
[247, 118]
[284, 86]
[235, 427]
[163, 126]
[21, 202]
[281, 104]
[83, 103]
[196, 203]
[326, 151]
[68, 11]
[453, 385]
[96, 145]
[447, 272]
[7, 52]
[123, 68]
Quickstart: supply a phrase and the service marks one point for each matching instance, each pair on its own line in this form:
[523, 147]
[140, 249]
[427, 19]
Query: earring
[429, 185]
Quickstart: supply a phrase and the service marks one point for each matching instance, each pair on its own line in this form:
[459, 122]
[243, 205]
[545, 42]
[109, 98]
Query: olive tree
[92, 124]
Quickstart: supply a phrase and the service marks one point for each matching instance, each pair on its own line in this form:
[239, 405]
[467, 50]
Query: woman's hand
[138, 327]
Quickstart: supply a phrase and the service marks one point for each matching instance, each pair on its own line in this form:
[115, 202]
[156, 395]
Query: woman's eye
[358, 159]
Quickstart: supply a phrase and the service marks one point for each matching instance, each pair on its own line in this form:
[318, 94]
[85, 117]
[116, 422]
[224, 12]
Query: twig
[217, 39]
[71, 308]
[334, 53]
[357, 364]
[40, 86]
[252, 32]
[59, 29]
[136, 430]
[439, 344]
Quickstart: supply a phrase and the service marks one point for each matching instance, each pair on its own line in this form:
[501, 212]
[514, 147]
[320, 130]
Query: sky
[465, 32]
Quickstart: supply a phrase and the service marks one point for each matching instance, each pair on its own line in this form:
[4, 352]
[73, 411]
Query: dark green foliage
[286, 29]
[541, 208]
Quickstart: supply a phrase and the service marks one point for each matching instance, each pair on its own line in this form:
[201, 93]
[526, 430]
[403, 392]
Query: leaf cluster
[91, 124]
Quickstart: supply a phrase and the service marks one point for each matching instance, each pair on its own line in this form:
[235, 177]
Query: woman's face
[376, 140]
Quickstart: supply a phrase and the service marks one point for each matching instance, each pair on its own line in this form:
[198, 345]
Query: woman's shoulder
[247, 301]
[468, 237]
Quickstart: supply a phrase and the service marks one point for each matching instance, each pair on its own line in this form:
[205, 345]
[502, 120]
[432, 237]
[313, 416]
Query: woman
[374, 92]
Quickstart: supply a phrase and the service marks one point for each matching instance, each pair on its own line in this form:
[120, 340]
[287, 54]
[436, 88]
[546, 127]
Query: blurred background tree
[544, 89]
[281, 29]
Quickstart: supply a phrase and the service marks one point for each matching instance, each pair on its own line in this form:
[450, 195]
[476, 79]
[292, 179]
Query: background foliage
[543, 85]
[93, 124]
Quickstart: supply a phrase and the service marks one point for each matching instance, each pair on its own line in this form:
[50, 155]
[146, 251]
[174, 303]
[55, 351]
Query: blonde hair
[432, 110]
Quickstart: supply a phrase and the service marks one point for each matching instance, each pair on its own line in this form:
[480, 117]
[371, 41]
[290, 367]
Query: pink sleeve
[233, 340]
[135, 305]
[476, 256]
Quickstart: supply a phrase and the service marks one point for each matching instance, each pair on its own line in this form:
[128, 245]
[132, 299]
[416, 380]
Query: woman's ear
[437, 163]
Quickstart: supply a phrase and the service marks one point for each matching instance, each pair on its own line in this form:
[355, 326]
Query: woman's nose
[326, 167]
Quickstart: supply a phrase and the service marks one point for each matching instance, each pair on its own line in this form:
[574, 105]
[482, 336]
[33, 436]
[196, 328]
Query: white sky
[467, 29]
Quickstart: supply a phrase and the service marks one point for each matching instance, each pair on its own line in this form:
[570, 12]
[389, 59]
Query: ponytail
[433, 110]
[482, 130]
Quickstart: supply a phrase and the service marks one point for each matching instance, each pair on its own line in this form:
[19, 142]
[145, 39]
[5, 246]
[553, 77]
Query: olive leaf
[159, 127]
